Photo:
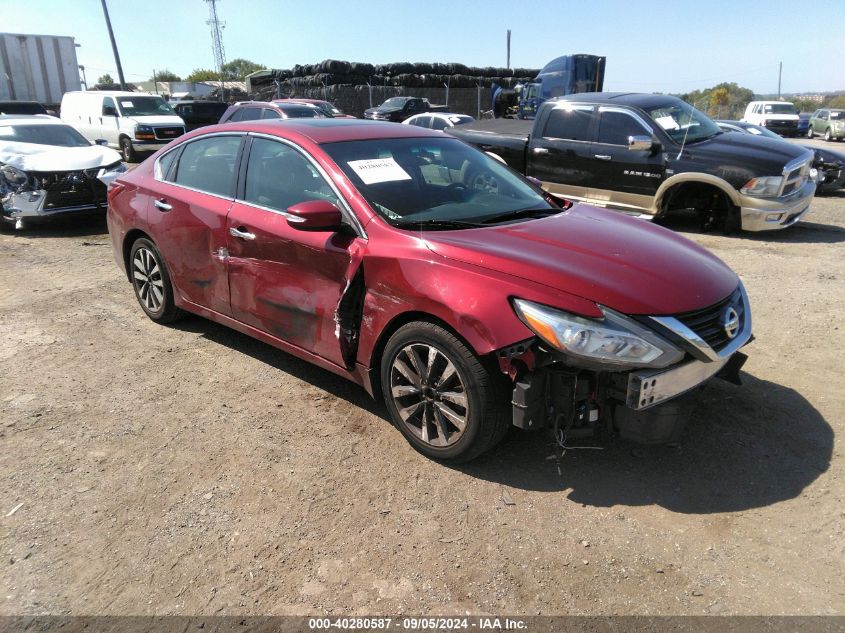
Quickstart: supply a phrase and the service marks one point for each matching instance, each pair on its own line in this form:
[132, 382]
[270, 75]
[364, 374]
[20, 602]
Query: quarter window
[209, 165]
[569, 125]
[270, 114]
[616, 127]
[278, 177]
[250, 114]
[108, 102]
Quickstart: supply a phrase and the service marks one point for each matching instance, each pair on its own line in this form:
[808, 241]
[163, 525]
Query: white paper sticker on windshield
[754, 130]
[127, 104]
[376, 170]
[667, 123]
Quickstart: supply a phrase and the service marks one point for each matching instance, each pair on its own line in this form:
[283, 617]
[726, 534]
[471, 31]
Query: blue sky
[650, 46]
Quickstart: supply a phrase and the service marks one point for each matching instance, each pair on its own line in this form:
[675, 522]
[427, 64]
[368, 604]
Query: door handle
[162, 205]
[602, 156]
[242, 233]
[540, 150]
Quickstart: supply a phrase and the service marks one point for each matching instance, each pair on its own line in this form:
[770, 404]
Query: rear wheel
[151, 282]
[440, 395]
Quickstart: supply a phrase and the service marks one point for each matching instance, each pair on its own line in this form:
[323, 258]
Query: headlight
[766, 187]
[838, 124]
[614, 340]
[13, 175]
[144, 132]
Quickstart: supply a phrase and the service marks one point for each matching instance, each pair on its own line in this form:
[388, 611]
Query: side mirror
[315, 215]
[640, 143]
[101, 141]
[109, 111]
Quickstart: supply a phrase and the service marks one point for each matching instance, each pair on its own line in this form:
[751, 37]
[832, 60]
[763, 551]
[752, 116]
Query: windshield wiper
[522, 213]
[437, 224]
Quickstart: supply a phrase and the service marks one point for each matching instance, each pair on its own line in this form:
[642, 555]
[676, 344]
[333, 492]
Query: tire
[810, 132]
[126, 149]
[827, 135]
[448, 406]
[482, 180]
[151, 282]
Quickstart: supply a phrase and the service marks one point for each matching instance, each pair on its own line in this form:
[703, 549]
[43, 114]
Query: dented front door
[284, 281]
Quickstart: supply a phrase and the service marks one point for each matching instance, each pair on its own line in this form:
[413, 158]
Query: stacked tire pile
[350, 84]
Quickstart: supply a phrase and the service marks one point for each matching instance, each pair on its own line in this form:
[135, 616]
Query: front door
[189, 214]
[109, 123]
[625, 179]
[285, 281]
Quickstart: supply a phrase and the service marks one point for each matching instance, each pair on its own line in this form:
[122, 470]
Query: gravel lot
[192, 470]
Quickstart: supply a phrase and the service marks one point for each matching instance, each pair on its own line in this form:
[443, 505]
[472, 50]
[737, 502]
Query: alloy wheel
[146, 275]
[429, 394]
[485, 182]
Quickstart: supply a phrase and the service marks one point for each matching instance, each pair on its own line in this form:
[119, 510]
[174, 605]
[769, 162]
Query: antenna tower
[217, 40]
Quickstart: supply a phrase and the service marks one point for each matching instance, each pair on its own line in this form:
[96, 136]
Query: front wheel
[827, 135]
[440, 395]
[129, 153]
[810, 132]
[151, 282]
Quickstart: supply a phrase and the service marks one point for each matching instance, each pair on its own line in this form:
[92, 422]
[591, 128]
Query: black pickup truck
[649, 155]
[397, 109]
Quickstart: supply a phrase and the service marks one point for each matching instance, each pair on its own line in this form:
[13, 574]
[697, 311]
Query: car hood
[624, 263]
[45, 158]
[157, 119]
[753, 155]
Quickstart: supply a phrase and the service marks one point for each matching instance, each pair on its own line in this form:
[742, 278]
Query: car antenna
[684, 142]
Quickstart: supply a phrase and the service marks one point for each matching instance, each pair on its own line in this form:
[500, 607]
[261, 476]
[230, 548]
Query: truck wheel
[129, 153]
[439, 395]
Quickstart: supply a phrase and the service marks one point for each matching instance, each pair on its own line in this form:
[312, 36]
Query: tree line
[235, 70]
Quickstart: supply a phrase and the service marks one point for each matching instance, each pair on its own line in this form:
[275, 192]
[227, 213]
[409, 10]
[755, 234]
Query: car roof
[635, 99]
[191, 101]
[28, 119]
[439, 115]
[322, 131]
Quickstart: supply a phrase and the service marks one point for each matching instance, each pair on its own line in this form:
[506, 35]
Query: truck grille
[708, 323]
[794, 178]
[167, 133]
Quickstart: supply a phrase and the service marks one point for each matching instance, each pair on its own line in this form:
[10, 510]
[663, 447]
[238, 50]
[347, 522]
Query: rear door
[624, 178]
[188, 217]
[284, 281]
[560, 154]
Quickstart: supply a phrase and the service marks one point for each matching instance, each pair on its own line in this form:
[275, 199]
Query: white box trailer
[37, 67]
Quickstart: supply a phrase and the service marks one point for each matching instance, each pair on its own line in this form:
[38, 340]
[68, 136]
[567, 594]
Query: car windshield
[779, 108]
[683, 123]
[434, 183]
[394, 102]
[61, 135]
[144, 106]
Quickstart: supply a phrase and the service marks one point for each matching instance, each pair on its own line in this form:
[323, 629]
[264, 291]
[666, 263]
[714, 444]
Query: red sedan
[432, 275]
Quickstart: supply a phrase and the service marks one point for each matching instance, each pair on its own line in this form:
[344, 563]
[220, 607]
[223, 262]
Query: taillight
[114, 188]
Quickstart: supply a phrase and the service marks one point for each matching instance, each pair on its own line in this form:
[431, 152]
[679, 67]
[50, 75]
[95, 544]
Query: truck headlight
[613, 340]
[765, 187]
[144, 132]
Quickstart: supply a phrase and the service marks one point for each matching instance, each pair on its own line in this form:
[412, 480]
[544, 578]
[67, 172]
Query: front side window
[279, 176]
[209, 165]
[108, 107]
[569, 124]
[436, 183]
[422, 121]
[616, 127]
[249, 114]
[270, 114]
[439, 124]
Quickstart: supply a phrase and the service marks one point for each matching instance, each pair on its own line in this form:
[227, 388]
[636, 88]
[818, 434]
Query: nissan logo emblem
[730, 322]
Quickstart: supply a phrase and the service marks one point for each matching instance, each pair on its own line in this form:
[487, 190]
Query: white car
[438, 120]
[48, 169]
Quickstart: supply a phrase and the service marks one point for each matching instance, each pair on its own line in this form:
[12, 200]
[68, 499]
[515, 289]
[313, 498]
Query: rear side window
[615, 128]
[270, 114]
[209, 165]
[422, 121]
[569, 125]
[250, 114]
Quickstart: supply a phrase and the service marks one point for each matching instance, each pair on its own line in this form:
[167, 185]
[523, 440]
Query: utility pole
[509, 50]
[114, 47]
[217, 42]
[155, 83]
[780, 73]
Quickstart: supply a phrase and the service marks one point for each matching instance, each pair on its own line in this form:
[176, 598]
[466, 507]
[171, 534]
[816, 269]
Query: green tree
[732, 108]
[719, 97]
[105, 79]
[202, 74]
[238, 69]
[165, 75]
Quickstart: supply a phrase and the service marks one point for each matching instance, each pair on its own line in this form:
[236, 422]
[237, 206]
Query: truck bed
[507, 138]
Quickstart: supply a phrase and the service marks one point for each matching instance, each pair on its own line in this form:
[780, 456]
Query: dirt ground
[193, 470]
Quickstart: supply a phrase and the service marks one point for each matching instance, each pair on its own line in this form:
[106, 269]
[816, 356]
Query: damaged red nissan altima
[433, 276]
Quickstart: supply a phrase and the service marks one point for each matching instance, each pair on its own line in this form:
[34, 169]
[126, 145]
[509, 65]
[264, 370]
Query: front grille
[795, 178]
[167, 133]
[72, 189]
[707, 323]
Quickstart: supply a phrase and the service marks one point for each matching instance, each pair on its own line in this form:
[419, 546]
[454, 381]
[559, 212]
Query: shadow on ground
[802, 233]
[65, 227]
